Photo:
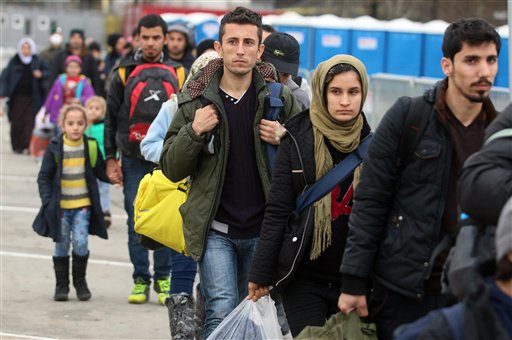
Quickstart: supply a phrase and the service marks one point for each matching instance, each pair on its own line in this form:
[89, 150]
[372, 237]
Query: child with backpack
[71, 207]
[71, 87]
[96, 107]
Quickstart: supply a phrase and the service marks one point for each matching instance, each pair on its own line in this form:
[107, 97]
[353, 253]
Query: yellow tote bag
[156, 210]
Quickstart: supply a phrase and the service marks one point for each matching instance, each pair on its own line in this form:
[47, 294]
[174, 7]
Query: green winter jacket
[183, 156]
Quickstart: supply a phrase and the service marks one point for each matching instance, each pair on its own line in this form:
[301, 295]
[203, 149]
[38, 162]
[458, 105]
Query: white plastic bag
[250, 320]
[43, 128]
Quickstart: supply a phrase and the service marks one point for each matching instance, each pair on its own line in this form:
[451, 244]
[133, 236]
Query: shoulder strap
[122, 74]
[336, 175]
[273, 109]
[63, 78]
[275, 104]
[415, 123]
[80, 87]
[180, 74]
[454, 315]
[93, 151]
[499, 134]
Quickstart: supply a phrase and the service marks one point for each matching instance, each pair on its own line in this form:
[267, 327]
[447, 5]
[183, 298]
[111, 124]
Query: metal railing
[385, 89]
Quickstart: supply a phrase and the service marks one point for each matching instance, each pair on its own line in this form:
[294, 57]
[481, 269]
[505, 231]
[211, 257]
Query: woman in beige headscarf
[303, 253]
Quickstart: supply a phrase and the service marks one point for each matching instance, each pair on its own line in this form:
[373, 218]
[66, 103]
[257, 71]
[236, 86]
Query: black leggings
[309, 303]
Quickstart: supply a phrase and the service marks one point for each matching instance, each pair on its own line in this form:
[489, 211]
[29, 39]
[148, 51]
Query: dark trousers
[389, 310]
[309, 303]
[22, 121]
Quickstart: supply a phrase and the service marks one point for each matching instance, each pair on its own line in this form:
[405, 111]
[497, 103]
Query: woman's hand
[256, 291]
[37, 74]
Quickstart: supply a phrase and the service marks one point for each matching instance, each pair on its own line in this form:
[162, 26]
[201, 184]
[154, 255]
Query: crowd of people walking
[309, 205]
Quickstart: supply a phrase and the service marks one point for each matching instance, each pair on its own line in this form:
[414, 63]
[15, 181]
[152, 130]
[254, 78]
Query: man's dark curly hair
[472, 31]
[241, 16]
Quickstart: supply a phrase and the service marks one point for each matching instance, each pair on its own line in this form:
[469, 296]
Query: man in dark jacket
[402, 211]
[486, 315]
[126, 122]
[485, 182]
[218, 137]
[76, 46]
[180, 44]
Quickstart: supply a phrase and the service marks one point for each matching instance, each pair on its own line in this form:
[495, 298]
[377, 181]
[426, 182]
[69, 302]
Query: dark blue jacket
[48, 220]
[11, 76]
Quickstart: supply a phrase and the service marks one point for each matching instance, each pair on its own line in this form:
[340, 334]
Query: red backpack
[147, 87]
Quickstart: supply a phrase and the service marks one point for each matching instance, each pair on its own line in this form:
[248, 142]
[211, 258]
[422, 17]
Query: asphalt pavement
[27, 279]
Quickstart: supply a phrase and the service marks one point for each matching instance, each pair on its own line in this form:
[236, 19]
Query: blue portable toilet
[432, 52]
[206, 25]
[331, 37]
[368, 43]
[208, 29]
[298, 26]
[503, 59]
[404, 53]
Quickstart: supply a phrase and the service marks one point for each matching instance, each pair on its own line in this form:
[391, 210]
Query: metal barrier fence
[385, 89]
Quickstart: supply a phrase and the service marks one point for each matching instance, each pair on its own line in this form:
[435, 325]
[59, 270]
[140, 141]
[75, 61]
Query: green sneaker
[140, 292]
[163, 286]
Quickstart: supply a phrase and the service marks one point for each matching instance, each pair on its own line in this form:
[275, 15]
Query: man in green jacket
[218, 138]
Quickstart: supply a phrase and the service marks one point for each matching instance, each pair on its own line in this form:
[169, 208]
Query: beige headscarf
[344, 137]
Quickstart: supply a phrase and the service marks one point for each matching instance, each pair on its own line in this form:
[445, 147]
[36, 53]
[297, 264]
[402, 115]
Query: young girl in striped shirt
[70, 198]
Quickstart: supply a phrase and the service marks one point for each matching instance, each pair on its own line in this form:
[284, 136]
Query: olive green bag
[341, 327]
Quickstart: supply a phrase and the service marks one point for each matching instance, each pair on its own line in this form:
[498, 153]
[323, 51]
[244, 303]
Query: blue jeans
[183, 275]
[133, 171]
[75, 230]
[223, 273]
[104, 189]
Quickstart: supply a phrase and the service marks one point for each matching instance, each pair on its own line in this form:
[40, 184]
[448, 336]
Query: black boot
[61, 267]
[79, 266]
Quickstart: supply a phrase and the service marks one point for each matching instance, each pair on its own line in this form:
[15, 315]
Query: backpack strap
[499, 134]
[336, 175]
[92, 144]
[415, 124]
[454, 315]
[63, 78]
[273, 109]
[80, 87]
[122, 74]
[181, 76]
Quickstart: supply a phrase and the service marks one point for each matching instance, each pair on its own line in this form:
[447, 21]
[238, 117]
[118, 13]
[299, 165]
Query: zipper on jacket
[294, 263]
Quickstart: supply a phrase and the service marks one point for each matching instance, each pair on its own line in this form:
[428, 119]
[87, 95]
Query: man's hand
[205, 120]
[347, 303]
[37, 74]
[256, 291]
[114, 173]
[271, 131]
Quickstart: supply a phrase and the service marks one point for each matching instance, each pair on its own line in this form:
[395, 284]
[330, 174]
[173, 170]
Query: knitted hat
[504, 231]
[282, 50]
[72, 58]
[204, 45]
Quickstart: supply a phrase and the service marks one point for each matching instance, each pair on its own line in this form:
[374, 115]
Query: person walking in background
[180, 45]
[96, 107]
[283, 51]
[69, 87]
[117, 45]
[404, 207]
[77, 47]
[48, 54]
[22, 82]
[213, 138]
[71, 209]
[324, 135]
[139, 87]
